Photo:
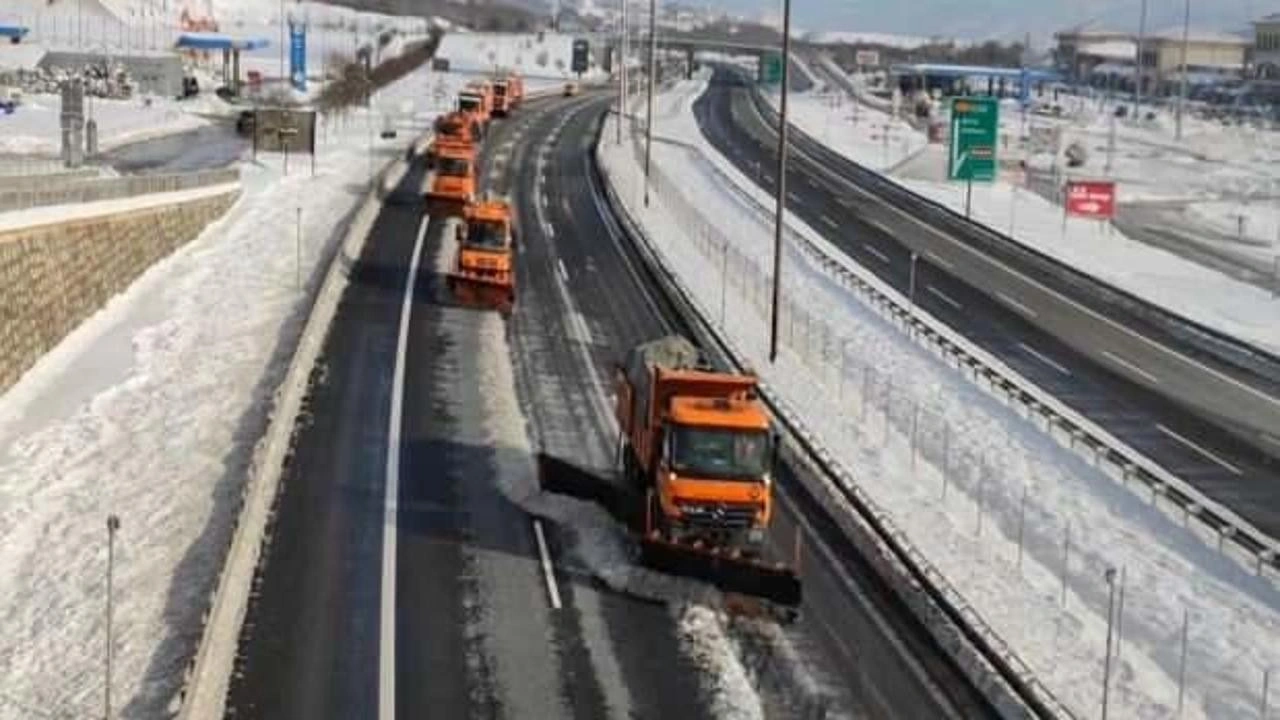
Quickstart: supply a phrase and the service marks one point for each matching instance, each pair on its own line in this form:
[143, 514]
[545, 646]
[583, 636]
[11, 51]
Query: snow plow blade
[734, 575]
[481, 293]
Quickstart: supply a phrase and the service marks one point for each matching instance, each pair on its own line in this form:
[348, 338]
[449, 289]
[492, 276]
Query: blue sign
[298, 56]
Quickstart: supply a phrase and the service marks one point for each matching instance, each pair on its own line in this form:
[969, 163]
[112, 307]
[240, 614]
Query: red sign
[1091, 199]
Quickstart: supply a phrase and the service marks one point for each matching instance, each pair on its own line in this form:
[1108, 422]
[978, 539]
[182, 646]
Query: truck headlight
[755, 535]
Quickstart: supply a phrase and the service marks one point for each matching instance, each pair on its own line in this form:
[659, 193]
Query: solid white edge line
[1016, 305]
[944, 298]
[1044, 358]
[830, 223]
[1230, 468]
[1125, 363]
[933, 258]
[387, 630]
[875, 251]
[553, 590]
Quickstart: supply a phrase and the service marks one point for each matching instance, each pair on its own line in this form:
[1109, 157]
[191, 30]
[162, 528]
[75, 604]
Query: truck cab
[484, 272]
[452, 181]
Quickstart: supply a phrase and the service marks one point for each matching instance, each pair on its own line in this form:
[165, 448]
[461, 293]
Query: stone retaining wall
[53, 277]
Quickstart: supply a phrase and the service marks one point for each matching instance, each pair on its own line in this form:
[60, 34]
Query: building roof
[944, 70]
[1200, 35]
[1272, 18]
[1110, 49]
[218, 41]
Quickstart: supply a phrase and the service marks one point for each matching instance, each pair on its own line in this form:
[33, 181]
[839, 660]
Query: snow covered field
[34, 129]
[874, 138]
[967, 478]
[150, 410]
[483, 52]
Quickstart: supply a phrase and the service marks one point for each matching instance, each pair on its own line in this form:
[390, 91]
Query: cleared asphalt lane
[206, 148]
[1232, 472]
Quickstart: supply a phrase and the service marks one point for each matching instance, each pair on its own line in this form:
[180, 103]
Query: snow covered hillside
[550, 57]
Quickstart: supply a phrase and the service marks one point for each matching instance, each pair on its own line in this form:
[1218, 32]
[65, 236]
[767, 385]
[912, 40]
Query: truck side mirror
[775, 452]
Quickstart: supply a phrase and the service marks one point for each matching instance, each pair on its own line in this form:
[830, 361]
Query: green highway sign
[975, 125]
[771, 69]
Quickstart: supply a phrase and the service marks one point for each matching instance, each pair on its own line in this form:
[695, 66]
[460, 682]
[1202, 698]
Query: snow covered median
[1023, 528]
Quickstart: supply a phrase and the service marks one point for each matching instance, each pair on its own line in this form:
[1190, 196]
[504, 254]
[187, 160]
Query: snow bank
[867, 136]
[966, 477]
[35, 129]
[548, 57]
[151, 410]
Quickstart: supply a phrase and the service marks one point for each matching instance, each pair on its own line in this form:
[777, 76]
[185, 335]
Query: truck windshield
[469, 104]
[720, 454]
[485, 235]
[454, 167]
[500, 90]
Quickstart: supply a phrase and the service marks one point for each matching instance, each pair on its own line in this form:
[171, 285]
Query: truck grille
[718, 515]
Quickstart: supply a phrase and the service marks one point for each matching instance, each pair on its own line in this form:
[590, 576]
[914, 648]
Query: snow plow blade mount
[729, 574]
[481, 293]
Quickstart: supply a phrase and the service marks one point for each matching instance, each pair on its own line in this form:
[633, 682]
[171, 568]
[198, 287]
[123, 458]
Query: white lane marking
[944, 298]
[830, 223]
[1125, 363]
[387, 629]
[553, 590]
[1101, 319]
[844, 203]
[874, 251]
[1206, 453]
[933, 258]
[1044, 358]
[792, 196]
[564, 274]
[1016, 305]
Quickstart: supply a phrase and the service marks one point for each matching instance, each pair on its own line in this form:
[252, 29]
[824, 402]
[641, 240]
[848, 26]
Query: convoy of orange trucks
[697, 444]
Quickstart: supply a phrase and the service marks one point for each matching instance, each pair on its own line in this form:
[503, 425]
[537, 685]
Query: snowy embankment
[876, 139]
[1023, 528]
[1183, 287]
[545, 56]
[151, 410]
[34, 128]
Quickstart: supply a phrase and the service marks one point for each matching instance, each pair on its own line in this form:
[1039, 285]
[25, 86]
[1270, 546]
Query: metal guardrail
[1101, 296]
[966, 632]
[93, 190]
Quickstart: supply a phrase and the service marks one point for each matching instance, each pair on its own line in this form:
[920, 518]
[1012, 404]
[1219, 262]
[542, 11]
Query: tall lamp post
[653, 80]
[1182, 86]
[1139, 68]
[781, 183]
[113, 525]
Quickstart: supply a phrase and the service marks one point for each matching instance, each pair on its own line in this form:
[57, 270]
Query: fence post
[1022, 523]
[1182, 663]
[1066, 561]
[1266, 688]
[1120, 613]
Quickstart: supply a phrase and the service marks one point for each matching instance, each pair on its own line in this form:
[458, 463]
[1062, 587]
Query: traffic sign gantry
[975, 124]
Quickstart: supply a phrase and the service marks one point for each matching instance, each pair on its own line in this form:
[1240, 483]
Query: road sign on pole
[771, 69]
[975, 125]
[581, 56]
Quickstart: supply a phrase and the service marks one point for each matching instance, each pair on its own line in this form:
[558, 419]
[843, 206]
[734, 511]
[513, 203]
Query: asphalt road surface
[1230, 471]
[206, 148]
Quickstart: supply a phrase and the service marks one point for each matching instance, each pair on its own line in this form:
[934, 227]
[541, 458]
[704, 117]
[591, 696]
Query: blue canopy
[12, 31]
[944, 70]
[218, 41]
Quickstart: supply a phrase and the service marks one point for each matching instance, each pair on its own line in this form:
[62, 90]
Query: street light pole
[113, 525]
[1106, 667]
[1138, 70]
[653, 72]
[1182, 87]
[781, 183]
[622, 71]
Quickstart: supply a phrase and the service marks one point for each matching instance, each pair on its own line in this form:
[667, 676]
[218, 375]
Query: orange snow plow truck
[451, 182]
[483, 274]
[508, 93]
[698, 453]
[476, 100]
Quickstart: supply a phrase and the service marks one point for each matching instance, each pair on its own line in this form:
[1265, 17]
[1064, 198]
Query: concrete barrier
[47, 191]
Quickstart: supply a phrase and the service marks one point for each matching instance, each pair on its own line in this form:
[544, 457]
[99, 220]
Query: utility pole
[113, 525]
[622, 70]
[1139, 69]
[781, 183]
[653, 80]
[1182, 86]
